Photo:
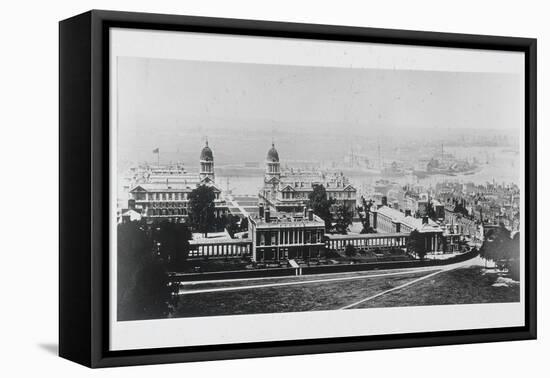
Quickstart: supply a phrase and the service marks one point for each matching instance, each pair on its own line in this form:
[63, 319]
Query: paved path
[434, 269]
[304, 282]
[444, 269]
[326, 278]
[330, 275]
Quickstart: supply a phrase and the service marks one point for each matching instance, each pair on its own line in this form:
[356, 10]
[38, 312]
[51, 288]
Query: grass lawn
[307, 297]
[459, 286]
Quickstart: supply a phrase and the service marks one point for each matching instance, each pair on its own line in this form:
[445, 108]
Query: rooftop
[287, 220]
[412, 222]
[167, 186]
[364, 236]
[164, 187]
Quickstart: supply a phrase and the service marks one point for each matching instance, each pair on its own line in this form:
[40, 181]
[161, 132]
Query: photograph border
[84, 184]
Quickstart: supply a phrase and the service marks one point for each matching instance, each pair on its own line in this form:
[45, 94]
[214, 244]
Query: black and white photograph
[343, 179]
[212, 188]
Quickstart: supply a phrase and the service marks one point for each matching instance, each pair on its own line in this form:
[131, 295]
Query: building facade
[162, 193]
[289, 190]
[206, 172]
[388, 220]
[286, 236]
[367, 242]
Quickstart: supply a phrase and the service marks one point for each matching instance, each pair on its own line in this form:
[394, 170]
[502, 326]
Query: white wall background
[29, 190]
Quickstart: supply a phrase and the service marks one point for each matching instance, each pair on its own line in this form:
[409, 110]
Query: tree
[321, 205]
[416, 244]
[444, 244]
[460, 208]
[201, 208]
[244, 224]
[232, 226]
[430, 210]
[343, 218]
[142, 282]
[365, 220]
[503, 249]
[174, 243]
[350, 251]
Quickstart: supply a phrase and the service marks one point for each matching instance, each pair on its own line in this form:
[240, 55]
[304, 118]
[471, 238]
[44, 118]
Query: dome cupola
[207, 163]
[272, 165]
[272, 154]
[206, 153]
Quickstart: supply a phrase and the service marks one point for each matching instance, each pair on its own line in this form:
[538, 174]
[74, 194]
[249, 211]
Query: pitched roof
[412, 222]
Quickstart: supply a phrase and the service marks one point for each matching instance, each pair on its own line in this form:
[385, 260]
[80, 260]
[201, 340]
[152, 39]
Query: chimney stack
[384, 201]
[310, 214]
[267, 215]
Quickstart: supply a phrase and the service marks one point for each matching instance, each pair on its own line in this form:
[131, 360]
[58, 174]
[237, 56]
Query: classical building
[388, 220]
[282, 236]
[207, 164]
[288, 190]
[272, 166]
[366, 242]
[459, 221]
[163, 192]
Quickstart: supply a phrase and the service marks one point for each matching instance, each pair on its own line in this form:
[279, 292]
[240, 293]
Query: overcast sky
[157, 97]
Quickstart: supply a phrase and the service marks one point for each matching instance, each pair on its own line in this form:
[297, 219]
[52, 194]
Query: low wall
[320, 269]
[234, 274]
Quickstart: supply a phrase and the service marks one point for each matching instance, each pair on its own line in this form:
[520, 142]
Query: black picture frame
[83, 181]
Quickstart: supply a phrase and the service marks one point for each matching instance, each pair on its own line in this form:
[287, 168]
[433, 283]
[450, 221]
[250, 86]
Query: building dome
[206, 153]
[272, 154]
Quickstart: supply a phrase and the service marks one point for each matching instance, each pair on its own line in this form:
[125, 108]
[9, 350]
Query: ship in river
[448, 165]
[353, 163]
[395, 169]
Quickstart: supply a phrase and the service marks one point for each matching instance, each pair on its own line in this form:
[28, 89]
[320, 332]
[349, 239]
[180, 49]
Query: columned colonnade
[231, 249]
[370, 242]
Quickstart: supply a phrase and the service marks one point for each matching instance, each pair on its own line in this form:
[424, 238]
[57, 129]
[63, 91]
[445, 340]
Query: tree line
[337, 217]
[146, 252]
[502, 248]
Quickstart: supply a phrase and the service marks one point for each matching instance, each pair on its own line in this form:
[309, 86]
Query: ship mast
[379, 157]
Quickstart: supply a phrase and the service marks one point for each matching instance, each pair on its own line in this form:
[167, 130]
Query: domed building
[272, 165]
[206, 163]
[289, 190]
[162, 193]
